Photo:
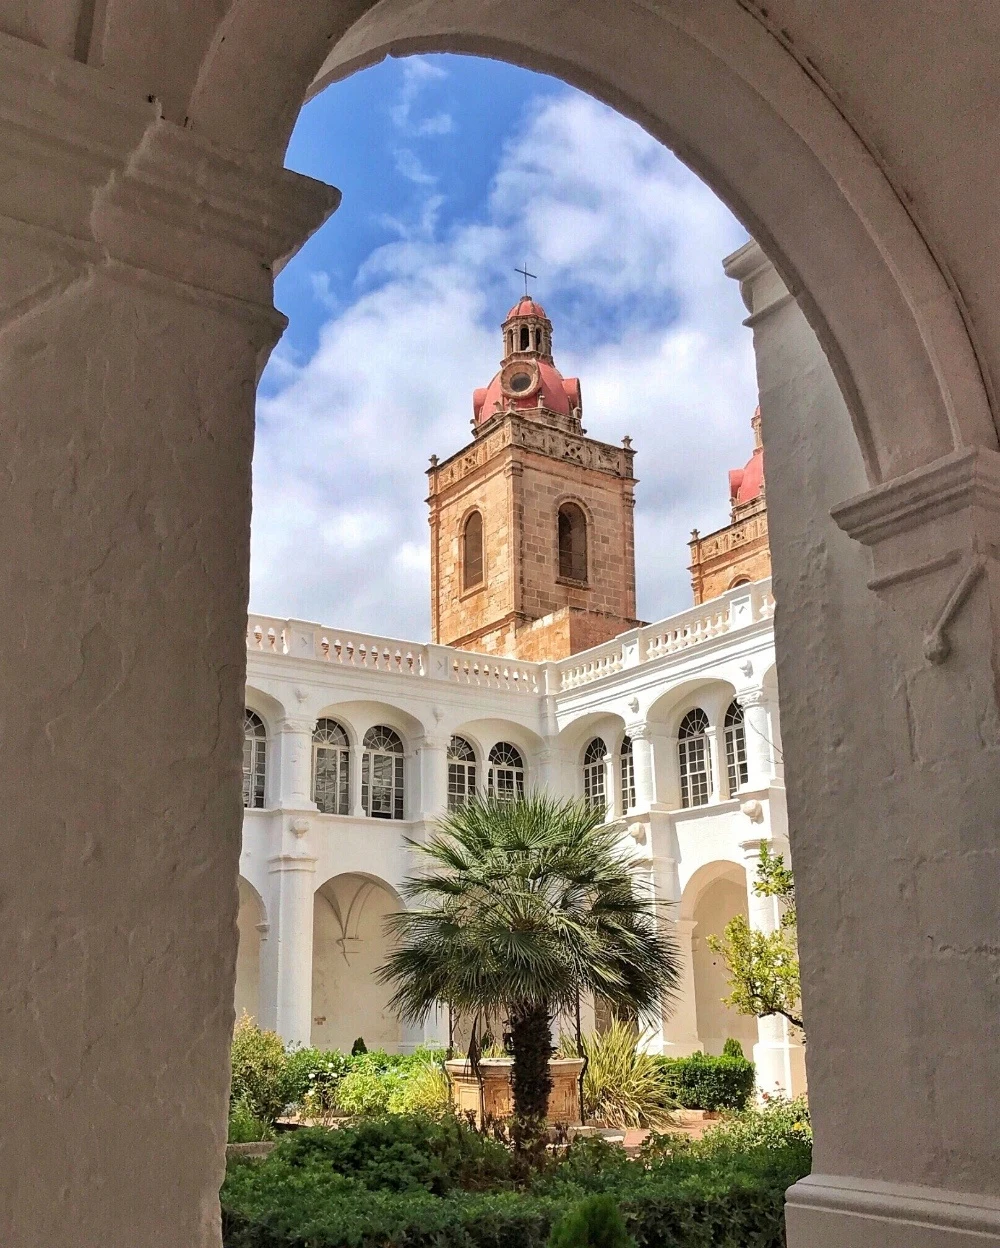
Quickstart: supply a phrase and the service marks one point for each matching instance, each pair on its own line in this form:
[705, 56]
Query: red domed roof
[745, 484]
[526, 306]
[556, 392]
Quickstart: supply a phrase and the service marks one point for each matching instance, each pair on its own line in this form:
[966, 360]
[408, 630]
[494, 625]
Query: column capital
[639, 731]
[294, 724]
[291, 862]
[751, 697]
[685, 927]
[105, 164]
[432, 741]
[751, 847]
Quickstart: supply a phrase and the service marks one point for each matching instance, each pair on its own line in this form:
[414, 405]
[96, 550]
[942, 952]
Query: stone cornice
[966, 478]
[514, 432]
[106, 167]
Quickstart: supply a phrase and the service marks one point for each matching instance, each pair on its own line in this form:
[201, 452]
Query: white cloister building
[355, 744]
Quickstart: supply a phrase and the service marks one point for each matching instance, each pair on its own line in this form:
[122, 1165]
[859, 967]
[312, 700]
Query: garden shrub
[371, 1186]
[596, 1222]
[712, 1083]
[314, 1076]
[622, 1086]
[732, 1048]
[260, 1076]
[244, 1128]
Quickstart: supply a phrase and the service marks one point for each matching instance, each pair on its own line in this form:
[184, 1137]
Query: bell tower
[532, 540]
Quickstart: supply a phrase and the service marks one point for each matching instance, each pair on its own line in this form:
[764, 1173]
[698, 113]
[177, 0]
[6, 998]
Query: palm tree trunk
[531, 1081]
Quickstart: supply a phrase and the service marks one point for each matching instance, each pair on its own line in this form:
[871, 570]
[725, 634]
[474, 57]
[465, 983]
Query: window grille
[737, 772]
[572, 542]
[594, 793]
[461, 772]
[254, 760]
[627, 763]
[472, 551]
[331, 768]
[506, 775]
[695, 759]
[382, 774]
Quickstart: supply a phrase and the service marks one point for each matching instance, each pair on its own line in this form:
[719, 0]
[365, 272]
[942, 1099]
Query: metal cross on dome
[525, 274]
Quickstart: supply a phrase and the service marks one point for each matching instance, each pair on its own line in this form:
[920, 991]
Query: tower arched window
[737, 772]
[254, 760]
[594, 788]
[627, 771]
[506, 776]
[461, 772]
[695, 758]
[572, 542]
[472, 551]
[538, 340]
[525, 338]
[382, 773]
[331, 768]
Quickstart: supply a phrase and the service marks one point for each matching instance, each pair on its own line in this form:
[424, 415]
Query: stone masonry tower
[532, 546]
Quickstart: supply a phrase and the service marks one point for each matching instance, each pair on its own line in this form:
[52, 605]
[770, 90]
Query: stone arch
[252, 925]
[716, 893]
[868, 281]
[349, 944]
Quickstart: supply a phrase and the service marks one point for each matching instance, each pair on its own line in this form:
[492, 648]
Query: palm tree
[521, 906]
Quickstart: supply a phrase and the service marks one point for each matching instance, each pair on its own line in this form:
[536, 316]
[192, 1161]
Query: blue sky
[453, 171]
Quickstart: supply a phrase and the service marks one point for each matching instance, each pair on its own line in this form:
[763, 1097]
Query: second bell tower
[532, 540]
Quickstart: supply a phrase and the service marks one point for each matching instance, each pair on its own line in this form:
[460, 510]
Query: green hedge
[379, 1189]
[713, 1083]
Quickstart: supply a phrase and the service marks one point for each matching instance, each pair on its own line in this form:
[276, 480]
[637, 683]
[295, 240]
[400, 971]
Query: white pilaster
[432, 755]
[295, 747]
[294, 883]
[757, 731]
[354, 772]
[713, 736]
[643, 764]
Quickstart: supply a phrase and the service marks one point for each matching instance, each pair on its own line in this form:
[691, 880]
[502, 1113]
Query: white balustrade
[739, 608]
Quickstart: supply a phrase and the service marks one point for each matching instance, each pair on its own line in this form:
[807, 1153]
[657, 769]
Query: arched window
[506, 778]
[510, 341]
[594, 791]
[628, 775]
[572, 543]
[740, 580]
[331, 768]
[472, 551]
[525, 339]
[736, 748]
[461, 772]
[382, 774]
[693, 748]
[254, 760]
[538, 340]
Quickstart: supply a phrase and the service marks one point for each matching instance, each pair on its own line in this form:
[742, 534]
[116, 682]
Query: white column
[354, 771]
[718, 793]
[432, 753]
[777, 1067]
[295, 747]
[549, 772]
[292, 892]
[137, 314]
[612, 786]
[641, 736]
[756, 727]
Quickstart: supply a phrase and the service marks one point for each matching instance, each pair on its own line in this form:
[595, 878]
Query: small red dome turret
[528, 379]
[747, 484]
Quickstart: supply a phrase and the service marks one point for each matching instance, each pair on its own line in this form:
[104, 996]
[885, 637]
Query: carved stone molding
[113, 186]
[934, 535]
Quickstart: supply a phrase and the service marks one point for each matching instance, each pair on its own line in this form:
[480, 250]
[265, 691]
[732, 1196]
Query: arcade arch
[349, 944]
[252, 925]
[885, 255]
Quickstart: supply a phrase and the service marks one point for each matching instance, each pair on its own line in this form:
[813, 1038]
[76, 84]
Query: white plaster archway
[252, 923]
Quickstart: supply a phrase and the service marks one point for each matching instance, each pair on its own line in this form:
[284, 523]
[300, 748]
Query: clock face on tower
[519, 378]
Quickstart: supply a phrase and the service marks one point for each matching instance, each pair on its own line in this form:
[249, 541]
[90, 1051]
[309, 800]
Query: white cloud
[417, 73]
[621, 231]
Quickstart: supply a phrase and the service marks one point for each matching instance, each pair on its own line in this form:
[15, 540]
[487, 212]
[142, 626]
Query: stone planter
[564, 1099]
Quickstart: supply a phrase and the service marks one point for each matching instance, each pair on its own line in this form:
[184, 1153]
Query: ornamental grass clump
[521, 905]
[622, 1086]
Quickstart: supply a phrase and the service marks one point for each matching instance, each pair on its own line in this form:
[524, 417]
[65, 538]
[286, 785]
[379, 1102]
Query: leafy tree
[764, 966]
[519, 907]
